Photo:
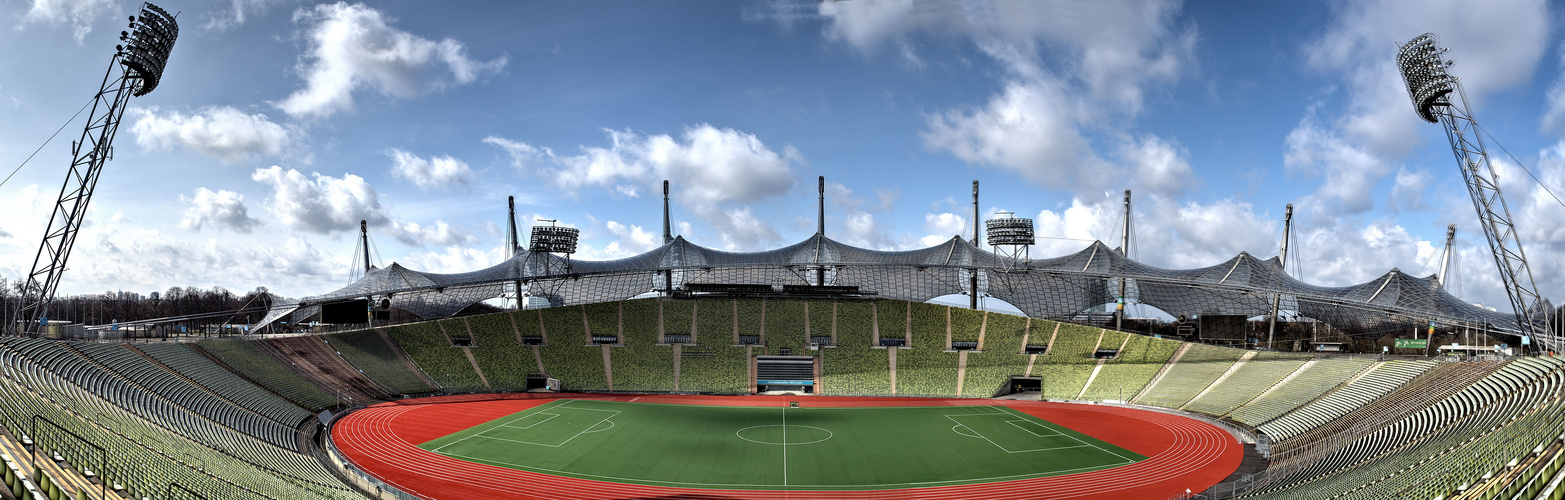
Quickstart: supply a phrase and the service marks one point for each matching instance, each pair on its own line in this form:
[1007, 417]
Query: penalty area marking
[552, 416]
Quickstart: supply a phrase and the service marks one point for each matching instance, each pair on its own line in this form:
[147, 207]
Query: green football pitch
[746, 447]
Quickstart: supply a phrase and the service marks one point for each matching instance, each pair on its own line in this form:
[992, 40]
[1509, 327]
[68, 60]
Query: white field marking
[1008, 450]
[551, 417]
[1122, 457]
[785, 445]
[960, 426]
[442, 447]
[578, 434]
[373, 429]
[847, 487]
[1029, 431]
[829, 434]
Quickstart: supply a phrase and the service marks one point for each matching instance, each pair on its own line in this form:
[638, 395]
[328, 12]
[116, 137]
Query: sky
[279, 124]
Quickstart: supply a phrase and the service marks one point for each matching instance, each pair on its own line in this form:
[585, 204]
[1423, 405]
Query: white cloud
[318, 203]
[1495, 48]
[1157, 165]
[942, 226]
[1408, 191]
[434, 172]
[455, 259]
[1030, 128]
[1103, 58]
[221, 19]
[1349, 173]
[354, 46]
[147, 260]
[222, 132]
[632, 238]
[26, 212]
[715, 172]
[222, 208]
[323, 204]
[438, 234]
[523, 156]
[78, 13]
[1114, 49]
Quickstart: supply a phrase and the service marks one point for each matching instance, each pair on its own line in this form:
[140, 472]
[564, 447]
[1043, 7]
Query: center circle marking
[805, 435]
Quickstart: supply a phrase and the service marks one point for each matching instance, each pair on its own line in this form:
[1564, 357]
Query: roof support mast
[515, 244]
[820, 233]
[1282, 261]
[1445, 259]
[364, 239]
[134, 70]
[973, 273]
[668, 237]
[1438, 98]
[1124, 250]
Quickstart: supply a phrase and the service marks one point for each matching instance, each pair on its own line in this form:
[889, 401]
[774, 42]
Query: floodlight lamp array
[1424, 71]
[553, 239]
[147, 46]
[1009, 231]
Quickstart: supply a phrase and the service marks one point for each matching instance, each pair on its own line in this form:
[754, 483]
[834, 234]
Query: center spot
[773, 434]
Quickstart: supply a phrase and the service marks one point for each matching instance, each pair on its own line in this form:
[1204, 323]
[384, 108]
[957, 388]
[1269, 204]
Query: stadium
[817, 369]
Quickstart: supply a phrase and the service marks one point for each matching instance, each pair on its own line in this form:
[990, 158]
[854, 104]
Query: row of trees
[106, 307]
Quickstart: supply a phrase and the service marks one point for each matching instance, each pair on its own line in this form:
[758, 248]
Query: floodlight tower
[1438, 98]
[135, 70]
[1010, 236]
[549, 240]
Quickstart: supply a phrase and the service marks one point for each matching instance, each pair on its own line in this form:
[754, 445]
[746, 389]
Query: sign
[1412, 343]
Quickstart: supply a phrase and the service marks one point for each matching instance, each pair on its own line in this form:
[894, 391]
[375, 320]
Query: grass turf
[780, 448]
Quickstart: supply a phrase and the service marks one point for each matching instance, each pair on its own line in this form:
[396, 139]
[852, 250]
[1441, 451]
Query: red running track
[383, 441]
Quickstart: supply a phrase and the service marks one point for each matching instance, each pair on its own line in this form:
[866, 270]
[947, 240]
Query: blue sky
[280, 124]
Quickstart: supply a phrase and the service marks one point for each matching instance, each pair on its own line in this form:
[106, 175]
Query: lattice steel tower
[1438, 98]
[135, 70]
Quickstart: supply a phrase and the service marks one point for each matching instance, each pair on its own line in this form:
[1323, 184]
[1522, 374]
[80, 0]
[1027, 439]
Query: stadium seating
[714, 368]
[1310, 383]
[853, 367]
[786, 325]
[368, 351]
[990, 369]
[927, 369]
[220, 417]
[602, 318]
[501, 356]
[256, 364]
[1198, 368]
[678, 316]
[225, 384]
[641, 364]
[1069, 363]
[892, 318]
[568, 357]
[1123, 377]
[149, 442]
[1252, 378]
[965, 324]
[444, 364]
[1450, 442]
[1383, 379]
[749, 318]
